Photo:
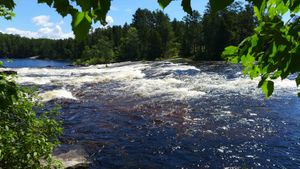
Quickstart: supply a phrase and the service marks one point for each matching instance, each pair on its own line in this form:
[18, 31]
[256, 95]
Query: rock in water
[72, 156]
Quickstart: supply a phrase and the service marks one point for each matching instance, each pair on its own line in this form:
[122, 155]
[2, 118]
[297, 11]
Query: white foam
[79, 75]
[56, 94]
[171, 81]
[168, 87]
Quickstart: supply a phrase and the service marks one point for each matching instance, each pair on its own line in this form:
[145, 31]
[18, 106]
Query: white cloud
[42, 20]
[44, 32]
[16, 31]
[53, 33]
[109, 20]
[61, 22]
[47, 29]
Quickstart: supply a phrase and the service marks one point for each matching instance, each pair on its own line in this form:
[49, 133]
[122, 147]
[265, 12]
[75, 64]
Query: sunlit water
[165, 115]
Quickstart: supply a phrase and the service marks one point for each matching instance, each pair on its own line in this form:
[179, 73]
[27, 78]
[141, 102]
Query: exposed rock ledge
[72, 156]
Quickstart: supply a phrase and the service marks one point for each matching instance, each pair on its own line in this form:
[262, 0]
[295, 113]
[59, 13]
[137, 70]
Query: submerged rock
[72, 156]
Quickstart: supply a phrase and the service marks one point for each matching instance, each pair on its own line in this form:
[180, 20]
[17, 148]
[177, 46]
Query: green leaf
[230, 50]
[217, 5]
[84, 4]
[48, 2]
[78, 19]
[268, 88]
[62, 7]
[282, 8]
[259, 8]
[294, 4]
[186, 4]
[254, 72]
[102, 11]
[274, 50]
[81, 24]
[164, 3]
[257, 3]
[10, 4]
[298, 80]
[257, 13]
[276, 74]
[230, 53]
[248, 60]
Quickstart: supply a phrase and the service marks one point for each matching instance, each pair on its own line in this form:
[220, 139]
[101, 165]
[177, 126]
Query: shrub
[27, 139]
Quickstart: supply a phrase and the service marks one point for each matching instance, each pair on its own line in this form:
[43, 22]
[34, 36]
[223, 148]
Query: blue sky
[39, 20]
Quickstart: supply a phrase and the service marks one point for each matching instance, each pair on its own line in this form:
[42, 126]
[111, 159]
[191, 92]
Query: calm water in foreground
[165, 115]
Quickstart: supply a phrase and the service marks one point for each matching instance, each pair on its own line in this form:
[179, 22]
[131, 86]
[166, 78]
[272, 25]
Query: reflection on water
[165, 115]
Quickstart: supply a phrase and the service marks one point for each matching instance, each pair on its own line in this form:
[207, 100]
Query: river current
[167, 115]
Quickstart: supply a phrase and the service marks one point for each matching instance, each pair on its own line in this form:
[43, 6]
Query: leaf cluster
[26, 139]
[83, 13]
[273, 50]
[6, 13]
[6, 9]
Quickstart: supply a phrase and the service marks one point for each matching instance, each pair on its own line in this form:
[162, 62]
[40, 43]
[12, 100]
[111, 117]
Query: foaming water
[174, 81]
[56, 94]
[166, 115]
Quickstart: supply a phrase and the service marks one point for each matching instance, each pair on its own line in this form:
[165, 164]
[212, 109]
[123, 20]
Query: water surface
[19, 63]
[166, 115]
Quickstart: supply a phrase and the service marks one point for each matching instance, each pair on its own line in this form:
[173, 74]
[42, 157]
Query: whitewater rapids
[172, 115]
[168, 80]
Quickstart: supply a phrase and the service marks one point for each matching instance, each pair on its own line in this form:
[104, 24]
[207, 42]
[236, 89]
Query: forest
[157, 114]
[150, 36]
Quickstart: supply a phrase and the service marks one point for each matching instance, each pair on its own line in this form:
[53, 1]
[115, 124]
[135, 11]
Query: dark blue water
[125, 120]
[19, 63]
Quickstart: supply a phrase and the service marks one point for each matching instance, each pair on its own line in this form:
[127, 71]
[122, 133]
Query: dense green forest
[150, 36]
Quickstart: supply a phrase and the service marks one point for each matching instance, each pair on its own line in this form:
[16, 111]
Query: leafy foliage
[217, 5]
[186, 5]
[164, 3]
[273, 50]
[101, 52]
[6, 13]
[6, 9]
[82, 18]
[129, 49]
[26, 140]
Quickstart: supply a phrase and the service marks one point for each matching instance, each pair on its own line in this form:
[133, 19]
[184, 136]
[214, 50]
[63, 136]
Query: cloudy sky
[40, 21]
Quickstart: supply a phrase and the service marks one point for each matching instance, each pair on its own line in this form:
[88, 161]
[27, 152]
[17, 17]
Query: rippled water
[27, 62]
[166, 115]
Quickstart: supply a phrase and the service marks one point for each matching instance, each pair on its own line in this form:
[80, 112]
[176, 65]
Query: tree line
[150, 36]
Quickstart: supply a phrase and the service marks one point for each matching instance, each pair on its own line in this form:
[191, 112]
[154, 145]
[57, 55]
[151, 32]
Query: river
[167, 115]
[26, 62]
